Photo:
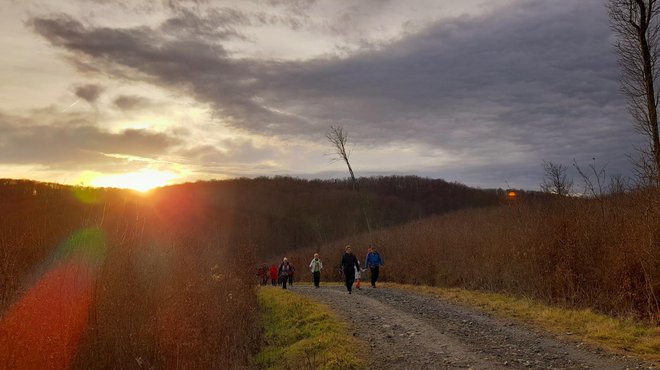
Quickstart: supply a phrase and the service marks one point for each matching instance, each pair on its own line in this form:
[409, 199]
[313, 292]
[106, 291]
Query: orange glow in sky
[143, 180]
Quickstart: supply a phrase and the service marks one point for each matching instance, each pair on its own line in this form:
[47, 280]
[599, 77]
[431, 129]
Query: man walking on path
[291, 271]
[373, 263]
[348, 264]
[316, 266]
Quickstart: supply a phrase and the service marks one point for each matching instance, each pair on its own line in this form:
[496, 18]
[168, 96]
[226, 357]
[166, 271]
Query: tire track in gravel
[406, 330]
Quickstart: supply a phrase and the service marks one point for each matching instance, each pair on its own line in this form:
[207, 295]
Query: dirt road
[410, 331]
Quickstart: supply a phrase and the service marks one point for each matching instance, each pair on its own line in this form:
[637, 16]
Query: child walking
[358, 277]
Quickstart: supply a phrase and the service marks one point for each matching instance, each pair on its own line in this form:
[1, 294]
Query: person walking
[316, 266]
[348, 264]
[291, 271]
[358, 278]
[273, 274]
[264, 277]
[373, 262]
[284, 272]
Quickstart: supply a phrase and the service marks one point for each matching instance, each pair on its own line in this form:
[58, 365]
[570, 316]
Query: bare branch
[556, 180]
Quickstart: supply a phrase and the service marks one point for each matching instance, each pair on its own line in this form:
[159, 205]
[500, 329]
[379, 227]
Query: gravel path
[406, 330]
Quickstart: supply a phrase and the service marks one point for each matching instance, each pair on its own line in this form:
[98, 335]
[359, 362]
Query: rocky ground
[406, 330]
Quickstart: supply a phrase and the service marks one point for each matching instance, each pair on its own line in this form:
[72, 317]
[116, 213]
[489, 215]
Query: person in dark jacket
[348, 264]
[284, 270]
[264, 278]
[373, 262]
[261, 272]
[291, 271]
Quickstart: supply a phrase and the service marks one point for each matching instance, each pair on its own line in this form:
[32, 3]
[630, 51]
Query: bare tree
[637, 27]
[618, 184]
[339, 139]
[556, 180]
[594, 186]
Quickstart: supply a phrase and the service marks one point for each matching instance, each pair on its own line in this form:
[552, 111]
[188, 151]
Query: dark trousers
[291, 279]
[317, 278]
[374, 275]
[284, 279]
[349, 280]
[273, 281]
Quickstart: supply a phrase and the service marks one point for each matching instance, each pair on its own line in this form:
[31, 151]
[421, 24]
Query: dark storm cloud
[132, 102]
[72, 139]
[535, 80]
[191, 65]
[89, 92]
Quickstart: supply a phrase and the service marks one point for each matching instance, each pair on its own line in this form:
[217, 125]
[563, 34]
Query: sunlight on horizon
[143, 180]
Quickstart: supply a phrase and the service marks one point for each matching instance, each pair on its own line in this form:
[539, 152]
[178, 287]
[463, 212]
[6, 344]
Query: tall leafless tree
[556, 180]
[339, 140]
[637, 27]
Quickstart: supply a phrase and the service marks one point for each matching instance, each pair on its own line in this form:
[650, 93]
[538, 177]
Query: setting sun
[141, 181]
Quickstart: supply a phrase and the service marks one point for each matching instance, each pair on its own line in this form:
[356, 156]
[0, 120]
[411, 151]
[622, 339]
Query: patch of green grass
[614, 334]
[303, 334]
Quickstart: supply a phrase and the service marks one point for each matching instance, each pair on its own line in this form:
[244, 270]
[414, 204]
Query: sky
[136, 92]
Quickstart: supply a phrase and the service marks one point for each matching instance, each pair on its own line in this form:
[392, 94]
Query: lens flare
[87, 195]
[43, 329]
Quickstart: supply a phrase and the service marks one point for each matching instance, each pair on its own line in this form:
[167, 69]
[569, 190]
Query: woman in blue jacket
[373, 262]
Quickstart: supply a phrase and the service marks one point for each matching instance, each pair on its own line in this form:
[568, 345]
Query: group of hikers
[349, 266]
[282, 274]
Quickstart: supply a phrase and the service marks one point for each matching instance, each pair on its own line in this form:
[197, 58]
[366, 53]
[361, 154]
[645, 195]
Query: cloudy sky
[105, 92]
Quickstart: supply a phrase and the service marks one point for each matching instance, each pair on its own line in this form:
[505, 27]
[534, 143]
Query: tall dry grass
[597, 253]
[147, 284]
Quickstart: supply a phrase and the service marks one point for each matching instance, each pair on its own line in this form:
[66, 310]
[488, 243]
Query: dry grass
[109, 279]
[303, 334]
[601, 254]
[614, 334]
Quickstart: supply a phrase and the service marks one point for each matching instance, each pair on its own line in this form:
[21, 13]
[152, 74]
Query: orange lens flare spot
[512, 194]
[43, 329]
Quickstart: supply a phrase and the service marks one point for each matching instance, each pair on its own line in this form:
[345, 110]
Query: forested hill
[280, 214]
[272, 214]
